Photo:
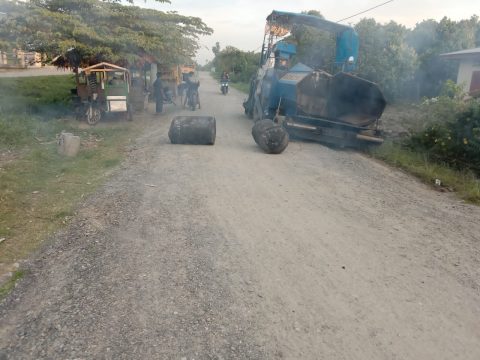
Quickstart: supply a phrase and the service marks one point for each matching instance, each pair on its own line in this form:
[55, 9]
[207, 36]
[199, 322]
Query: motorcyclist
[224, 82]
[192, 88]
[225, 77]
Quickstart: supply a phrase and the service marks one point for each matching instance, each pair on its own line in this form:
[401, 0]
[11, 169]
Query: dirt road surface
[224, 252]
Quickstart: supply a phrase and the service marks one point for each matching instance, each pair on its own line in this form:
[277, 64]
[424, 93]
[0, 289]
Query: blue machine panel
[286, 50]
[347, 46]
[286, 88]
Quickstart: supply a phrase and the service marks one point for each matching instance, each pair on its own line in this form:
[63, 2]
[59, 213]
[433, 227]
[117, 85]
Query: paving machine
[340, 109]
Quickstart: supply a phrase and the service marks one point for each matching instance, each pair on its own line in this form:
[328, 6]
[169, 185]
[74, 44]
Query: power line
[363, 12]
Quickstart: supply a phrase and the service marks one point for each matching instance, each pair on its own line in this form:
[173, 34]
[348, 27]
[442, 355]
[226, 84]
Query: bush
[453, 135]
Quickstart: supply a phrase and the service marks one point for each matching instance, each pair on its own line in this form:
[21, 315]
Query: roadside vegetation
[10, 283]
[39, 188]
[241, 86]
[465, 183]
[41, 95]
[439, 141]
[241, 65]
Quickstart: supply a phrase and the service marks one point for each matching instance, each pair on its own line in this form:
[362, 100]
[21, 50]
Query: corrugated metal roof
[462, 53]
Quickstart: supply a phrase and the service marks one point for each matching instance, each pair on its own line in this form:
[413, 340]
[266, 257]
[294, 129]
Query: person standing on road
[158, 94]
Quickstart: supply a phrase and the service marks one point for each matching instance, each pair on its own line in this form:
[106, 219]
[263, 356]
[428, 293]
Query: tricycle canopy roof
[282, 20]
[104, 67]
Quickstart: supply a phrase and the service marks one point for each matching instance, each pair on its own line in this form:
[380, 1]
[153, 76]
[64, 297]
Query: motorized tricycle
[102, 89]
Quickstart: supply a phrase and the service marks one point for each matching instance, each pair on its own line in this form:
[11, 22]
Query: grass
[48, 95]
[23, 129]
[39, 188]
[465, 184]
[243, 87]
[10, 283]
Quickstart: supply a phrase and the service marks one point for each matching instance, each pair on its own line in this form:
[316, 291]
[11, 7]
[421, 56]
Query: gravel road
[223, 252]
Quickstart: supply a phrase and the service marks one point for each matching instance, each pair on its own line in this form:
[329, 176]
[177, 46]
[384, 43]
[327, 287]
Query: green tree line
[241, 65]
[406, 62]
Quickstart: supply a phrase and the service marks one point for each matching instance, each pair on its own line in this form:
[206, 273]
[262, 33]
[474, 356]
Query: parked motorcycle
[224, 87]
[168, 97]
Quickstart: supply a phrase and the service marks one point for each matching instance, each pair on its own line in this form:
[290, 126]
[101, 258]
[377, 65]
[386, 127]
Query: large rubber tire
[196, 130]
[272, 138]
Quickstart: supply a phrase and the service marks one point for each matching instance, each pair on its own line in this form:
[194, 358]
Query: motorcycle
[224, 87]
[168, 97]
[192, 96]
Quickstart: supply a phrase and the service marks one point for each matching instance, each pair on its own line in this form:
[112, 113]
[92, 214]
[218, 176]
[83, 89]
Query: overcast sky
[240, 23]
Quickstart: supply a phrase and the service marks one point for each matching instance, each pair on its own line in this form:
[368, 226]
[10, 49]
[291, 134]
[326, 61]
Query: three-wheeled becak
[102, 89]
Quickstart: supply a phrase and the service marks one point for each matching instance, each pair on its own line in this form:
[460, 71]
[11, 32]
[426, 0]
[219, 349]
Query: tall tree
[431, 38]
[385, 57]
[216, 48]
[101, 30]
[240, 64]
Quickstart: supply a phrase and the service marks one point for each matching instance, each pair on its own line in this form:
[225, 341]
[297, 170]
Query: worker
[158, 94]
[115, 81]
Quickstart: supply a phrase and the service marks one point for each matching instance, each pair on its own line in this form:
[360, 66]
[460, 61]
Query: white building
[469, 69]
